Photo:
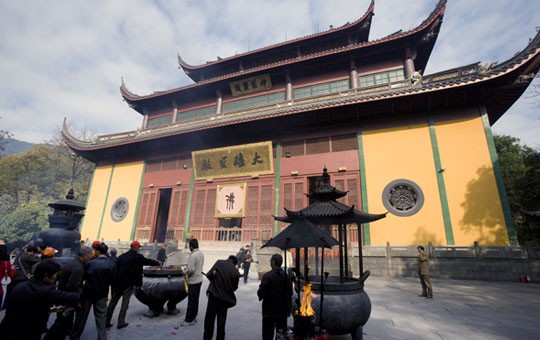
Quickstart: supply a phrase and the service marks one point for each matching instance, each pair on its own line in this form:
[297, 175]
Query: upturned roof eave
[359, 23]
[526, 62]
[132, 98]
[351, 216]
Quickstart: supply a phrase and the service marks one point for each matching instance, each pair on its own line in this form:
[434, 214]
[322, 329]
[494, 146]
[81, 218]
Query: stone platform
[460, 310]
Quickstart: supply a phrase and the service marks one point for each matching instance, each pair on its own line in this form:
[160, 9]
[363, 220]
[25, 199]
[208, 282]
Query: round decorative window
[403, 197]
[119, 209]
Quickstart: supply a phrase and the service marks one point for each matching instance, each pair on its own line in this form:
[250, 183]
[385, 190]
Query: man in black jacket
[70, 279]
[99, 275]
[224, 279]
[275, 291]
[27, 314]
[129, 274]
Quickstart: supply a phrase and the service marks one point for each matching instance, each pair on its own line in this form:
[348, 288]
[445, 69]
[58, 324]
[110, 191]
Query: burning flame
[305, 304]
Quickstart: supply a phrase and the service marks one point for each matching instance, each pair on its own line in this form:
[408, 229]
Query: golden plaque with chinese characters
[250, 85]
[234, 161]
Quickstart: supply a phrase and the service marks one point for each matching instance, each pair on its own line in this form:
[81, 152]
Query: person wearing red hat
[129, 275]
[95, 244]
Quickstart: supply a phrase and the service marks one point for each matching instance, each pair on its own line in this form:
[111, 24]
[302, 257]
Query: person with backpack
[22, 267]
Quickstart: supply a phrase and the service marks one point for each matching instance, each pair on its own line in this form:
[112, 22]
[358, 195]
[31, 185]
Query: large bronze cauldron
[346, 306]
[161, 285]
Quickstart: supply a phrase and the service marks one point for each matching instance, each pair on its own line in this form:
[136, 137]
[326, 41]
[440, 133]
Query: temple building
[219, 158]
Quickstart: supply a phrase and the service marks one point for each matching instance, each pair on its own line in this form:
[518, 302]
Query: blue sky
[65, 58]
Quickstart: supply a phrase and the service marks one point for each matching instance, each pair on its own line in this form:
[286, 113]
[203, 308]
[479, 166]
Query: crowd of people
[39, 287]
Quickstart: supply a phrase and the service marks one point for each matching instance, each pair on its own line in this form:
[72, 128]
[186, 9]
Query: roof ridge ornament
[483, 68]
[325, 176]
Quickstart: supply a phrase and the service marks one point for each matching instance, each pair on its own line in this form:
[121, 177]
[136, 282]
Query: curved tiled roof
[326, 192]
[506, 82]
[330, 212]
[430, 24]
[326, 210]
[364, 22]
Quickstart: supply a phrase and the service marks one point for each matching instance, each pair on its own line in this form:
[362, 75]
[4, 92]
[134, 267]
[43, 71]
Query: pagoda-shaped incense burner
[340, 303]
[63, 233]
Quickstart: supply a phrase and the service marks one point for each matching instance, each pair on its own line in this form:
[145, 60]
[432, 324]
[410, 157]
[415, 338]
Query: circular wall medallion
[403, 197]
[119, 209]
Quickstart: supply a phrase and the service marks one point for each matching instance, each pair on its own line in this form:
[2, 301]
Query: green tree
[31, 180]
[520, 167]
[21, 224]
[4, 136]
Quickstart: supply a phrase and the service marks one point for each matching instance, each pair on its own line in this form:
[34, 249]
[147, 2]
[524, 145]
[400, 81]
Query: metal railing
[475, 251]
[231, 234]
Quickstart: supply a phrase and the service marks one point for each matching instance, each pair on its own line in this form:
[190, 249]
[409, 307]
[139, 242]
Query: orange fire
[305, 304]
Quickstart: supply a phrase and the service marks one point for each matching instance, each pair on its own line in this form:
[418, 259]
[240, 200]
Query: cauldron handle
[364, 276]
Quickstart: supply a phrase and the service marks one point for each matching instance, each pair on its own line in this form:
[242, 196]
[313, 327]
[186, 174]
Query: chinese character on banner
[249, 85]
[223, 162]
[230, 200]
[233, 161]
[256, 159]
[206, 165]
[239, 160]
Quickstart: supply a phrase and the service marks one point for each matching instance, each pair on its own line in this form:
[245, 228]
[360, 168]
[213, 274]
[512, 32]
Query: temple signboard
[251, 85]
[231, 200]
[235, 161]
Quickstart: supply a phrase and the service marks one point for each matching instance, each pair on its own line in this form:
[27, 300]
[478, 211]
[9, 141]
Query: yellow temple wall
[109, 184]
[473, 198]
[94, 207]
[403, 152]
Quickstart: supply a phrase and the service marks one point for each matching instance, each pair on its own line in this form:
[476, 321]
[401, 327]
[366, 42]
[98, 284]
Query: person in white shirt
[194, 280]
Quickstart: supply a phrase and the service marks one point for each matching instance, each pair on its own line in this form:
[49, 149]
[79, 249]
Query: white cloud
[66, 58]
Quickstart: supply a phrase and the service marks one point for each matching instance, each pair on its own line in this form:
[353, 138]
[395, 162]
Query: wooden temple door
[147, 215]
[177, 214]
[203, 221]
[259, 209]
[162, 215]
[349, 181]
[293, 195]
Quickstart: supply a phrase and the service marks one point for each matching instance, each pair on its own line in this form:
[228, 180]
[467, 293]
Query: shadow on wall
[423, 237]
[483, 215]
